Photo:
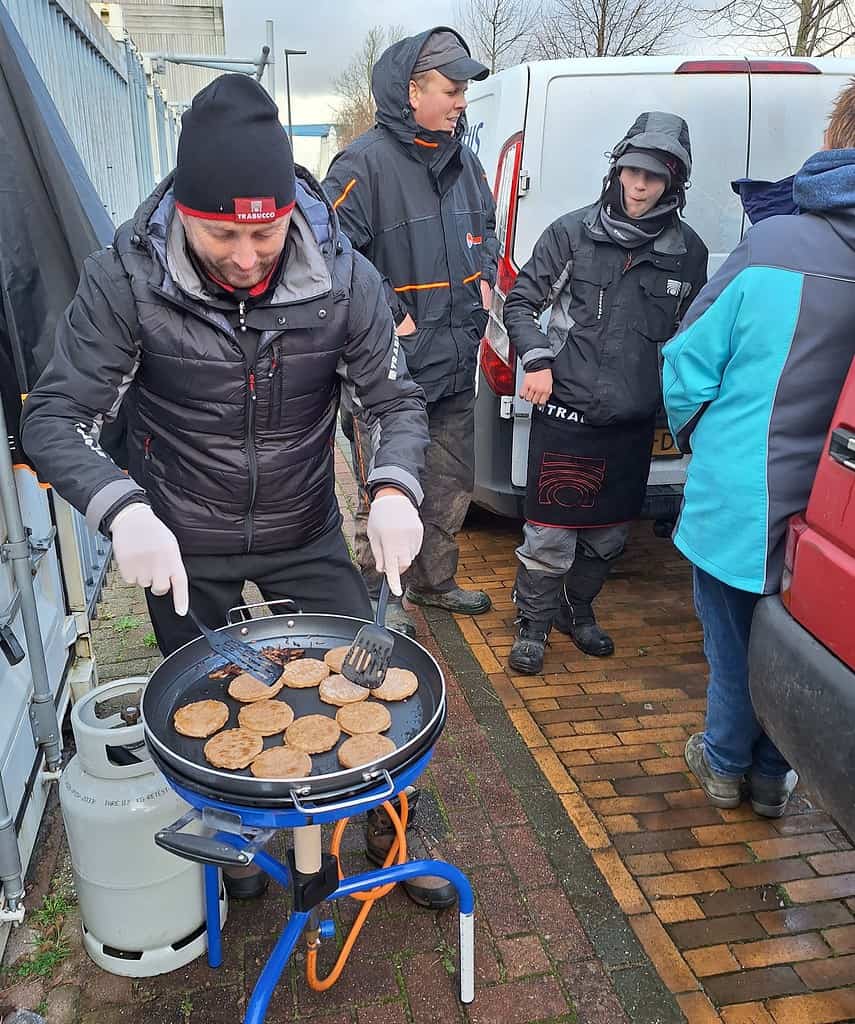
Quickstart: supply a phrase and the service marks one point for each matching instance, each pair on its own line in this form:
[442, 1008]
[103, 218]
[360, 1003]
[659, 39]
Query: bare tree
[609, 28]
[796, 28]
[499, 31]
[355, 114]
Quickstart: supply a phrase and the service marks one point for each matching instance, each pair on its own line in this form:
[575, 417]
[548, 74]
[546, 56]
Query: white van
[542, 131]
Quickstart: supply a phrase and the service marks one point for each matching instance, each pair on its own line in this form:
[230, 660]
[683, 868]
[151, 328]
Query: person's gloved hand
[395, 533]
[147, 554]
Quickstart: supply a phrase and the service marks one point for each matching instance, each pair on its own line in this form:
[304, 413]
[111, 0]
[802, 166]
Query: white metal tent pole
[17, 551]
[271, 68]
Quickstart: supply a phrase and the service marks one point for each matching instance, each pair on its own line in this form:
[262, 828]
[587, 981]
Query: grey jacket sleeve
[374, 371]
[348, 187]
[534, 290]
[94, 362]
[490, 246]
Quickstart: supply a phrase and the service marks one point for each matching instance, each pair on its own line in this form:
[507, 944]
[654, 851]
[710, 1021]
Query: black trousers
[319, 577]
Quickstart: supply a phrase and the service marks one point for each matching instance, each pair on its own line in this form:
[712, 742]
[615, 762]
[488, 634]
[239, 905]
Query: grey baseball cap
[654, 160]
[445, 53]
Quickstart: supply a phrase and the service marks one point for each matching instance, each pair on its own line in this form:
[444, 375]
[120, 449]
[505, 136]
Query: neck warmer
[631, 232]
[826, 182]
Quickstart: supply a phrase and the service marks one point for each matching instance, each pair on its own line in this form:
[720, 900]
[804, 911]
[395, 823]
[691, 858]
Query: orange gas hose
[398, 850]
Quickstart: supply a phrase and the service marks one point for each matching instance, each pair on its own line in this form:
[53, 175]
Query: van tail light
[498, 374]
[498, 358]
[795, 531]
[747, 67]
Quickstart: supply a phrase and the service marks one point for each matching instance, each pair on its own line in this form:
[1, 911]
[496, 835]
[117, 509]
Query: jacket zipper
[600, 304]
[147, 447]
[253, 463]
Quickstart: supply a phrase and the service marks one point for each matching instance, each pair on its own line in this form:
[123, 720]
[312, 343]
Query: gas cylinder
[142, 909]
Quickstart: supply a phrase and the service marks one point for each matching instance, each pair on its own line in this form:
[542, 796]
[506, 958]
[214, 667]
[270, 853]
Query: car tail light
[498, 374]
[796, 529]
[498, 358]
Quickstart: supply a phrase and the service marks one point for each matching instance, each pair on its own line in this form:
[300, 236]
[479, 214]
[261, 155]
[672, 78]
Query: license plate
[664, 446]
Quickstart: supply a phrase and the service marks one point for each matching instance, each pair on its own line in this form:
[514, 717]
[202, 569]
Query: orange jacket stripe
[472, 277]
[427, 145]
[422, 287]
[344, 194]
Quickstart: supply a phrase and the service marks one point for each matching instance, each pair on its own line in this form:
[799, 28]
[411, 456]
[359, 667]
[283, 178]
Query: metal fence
[116, 115]
[123, 129]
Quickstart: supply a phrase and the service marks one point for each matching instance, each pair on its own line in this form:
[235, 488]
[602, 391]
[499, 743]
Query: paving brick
[648, 864]
[519, 1002]
[563, 743]
[598, 790]
[382, 1013]
[722, 835]
[811, 890]
[499, 900]
[525, 855]
[711, 960]
[833, 863]
[803, 919]
[628, 895]
[617, 754]
[666, 958]
[683, 883]
[680, 908]
[746, 1013]
[816, 1008]
[576, 759]
[841, 940]
[737, 901]
[800, 824]
[790, 949]
[834, 973]
[589, 829]
[527, 728]
[679, 818]
[662, 765]
[710, 857]
[430, 990]
[757, 985]
[697, 1009]
[523, 956]
[768, 873]
[687, 798]
[619, 824]
[557, 924]
[554, 771]
[691, 934]
[599, 725]
[791, 846]
[659, 784]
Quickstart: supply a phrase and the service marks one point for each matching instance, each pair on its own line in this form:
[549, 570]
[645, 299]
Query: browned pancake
[266, 717]
[340, 691]
[234, 748]
[313, 734]
[305, 673]
[399, 684]
[363, 749]
[281, 763]
[369, 716]
[247, 689]
[202, 718]
[334, 658]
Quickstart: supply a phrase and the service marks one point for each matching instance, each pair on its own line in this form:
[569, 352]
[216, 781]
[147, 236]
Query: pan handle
[232, 615]
[201, 849]
[347, 805]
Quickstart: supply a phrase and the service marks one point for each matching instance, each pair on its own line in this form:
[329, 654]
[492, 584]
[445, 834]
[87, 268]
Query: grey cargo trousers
[447, 480]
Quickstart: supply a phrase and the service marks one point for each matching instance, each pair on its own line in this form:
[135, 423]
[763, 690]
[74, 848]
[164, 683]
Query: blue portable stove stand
[240, 832]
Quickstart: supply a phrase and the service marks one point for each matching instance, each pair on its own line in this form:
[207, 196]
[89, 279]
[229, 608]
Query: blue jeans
[734, 741]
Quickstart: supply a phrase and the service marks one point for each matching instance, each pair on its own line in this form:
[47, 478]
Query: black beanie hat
[234, 158]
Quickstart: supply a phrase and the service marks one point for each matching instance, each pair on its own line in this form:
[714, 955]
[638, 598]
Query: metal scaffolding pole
[11, 870]
[17, 551]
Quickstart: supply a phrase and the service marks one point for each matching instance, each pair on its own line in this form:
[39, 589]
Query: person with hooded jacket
[750, 384]
[415, 201]
[226, 318]
[617, 275]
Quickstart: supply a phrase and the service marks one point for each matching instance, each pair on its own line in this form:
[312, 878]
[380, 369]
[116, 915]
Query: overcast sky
[331, 30]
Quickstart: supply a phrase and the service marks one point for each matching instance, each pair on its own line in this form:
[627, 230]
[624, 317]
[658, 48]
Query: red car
[802, 652]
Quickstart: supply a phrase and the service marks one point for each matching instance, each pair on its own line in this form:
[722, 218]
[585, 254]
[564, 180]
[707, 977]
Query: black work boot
[427, 890]
[576, 614]
[526, 655]
[245, 883]
[462, 602]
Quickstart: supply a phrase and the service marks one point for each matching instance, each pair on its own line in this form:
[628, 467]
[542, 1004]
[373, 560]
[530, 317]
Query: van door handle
[842, 448]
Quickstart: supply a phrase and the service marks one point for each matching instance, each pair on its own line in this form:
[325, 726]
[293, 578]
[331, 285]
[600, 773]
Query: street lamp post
[288, 89]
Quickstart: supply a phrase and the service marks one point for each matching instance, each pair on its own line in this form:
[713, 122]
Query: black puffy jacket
[418, 205]
[233, 457]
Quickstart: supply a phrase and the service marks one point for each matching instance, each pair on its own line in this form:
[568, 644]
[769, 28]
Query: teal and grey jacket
[751, 379]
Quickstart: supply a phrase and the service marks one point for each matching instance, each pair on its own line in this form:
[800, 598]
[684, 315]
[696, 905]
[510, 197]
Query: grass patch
[50, 947]
[125, 623]
[150, 640]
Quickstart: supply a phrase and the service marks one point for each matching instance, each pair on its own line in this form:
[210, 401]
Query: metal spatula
[241, 654]
[371, 651]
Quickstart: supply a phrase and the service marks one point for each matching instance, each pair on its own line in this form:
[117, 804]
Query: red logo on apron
[569, 480]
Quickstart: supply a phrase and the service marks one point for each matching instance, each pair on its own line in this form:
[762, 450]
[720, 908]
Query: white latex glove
[147, 554]
[395, 533]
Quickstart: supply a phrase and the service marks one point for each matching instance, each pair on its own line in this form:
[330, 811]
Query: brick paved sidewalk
[552, 943]
[748, 921]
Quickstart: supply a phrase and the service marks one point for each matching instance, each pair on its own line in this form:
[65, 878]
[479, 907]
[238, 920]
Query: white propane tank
[142, 909]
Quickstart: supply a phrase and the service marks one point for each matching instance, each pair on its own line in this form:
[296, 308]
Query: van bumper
[804, 698]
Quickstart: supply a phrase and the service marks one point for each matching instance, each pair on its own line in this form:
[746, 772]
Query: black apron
[581, 476]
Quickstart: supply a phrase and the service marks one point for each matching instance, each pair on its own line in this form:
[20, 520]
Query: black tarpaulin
[51, 218]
